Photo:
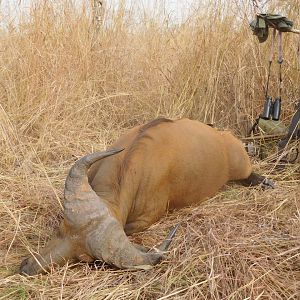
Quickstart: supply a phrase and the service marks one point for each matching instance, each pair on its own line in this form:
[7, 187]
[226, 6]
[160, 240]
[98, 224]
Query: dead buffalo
[151, 169]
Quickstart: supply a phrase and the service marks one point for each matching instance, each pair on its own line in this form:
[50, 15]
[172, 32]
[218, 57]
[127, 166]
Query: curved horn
[77, 178]
[113, 246]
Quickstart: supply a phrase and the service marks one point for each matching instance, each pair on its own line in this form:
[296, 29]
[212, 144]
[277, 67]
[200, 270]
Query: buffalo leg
[255, 179]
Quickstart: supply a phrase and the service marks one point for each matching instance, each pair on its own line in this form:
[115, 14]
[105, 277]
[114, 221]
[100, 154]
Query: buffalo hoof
[268, 184]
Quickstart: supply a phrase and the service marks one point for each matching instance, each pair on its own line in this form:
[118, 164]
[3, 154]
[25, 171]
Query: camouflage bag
[260, 26]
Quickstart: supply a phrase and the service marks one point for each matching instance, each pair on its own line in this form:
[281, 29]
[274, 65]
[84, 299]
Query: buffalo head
[89, 230]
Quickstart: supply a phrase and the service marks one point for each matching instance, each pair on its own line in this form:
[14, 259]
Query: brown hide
[168, 165]
[164, 165]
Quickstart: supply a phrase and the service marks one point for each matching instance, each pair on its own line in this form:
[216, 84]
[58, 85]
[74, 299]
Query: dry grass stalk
[98, 13]
[61, 97]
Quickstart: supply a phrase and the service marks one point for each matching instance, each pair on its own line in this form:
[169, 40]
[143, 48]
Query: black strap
[254, 126]
[280, 61]
[270, 62]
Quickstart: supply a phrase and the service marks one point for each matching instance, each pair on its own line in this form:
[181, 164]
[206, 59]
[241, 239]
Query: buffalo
[151, 169]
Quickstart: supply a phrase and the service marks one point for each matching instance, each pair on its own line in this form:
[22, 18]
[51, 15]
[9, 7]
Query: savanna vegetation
[67, 89]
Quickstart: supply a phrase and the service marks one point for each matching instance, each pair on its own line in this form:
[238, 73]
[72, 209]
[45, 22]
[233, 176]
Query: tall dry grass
[66, 91]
